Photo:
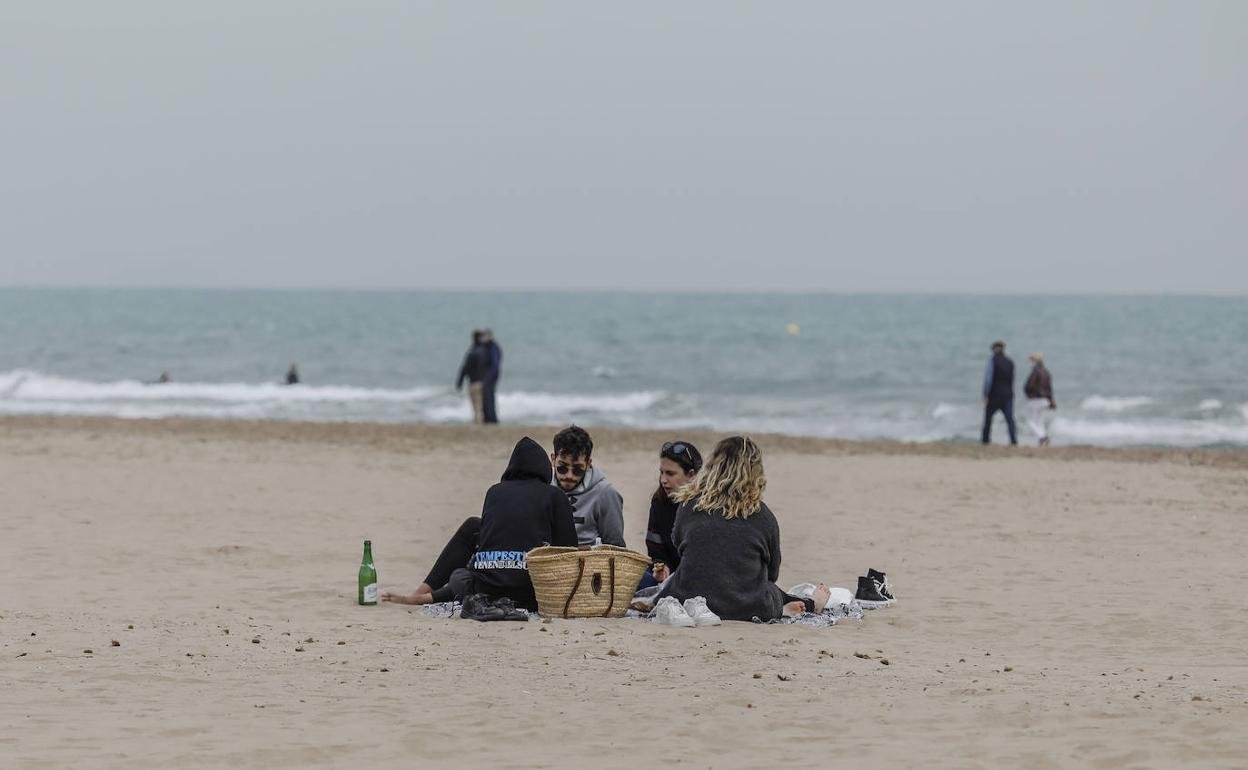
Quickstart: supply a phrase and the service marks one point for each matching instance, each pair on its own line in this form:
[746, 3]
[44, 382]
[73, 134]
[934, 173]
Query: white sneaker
[702, 616]
[670, 612]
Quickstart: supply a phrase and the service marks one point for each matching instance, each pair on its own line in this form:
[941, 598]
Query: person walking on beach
[999, 392]
[494, 366]
[1039, 392]
[474, 370]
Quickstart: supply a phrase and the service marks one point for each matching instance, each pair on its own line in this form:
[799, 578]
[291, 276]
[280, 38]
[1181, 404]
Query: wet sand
[1072, 607]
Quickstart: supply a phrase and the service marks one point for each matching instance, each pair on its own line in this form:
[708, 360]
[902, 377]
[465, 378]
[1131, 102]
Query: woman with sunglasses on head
[678, 462]
[729, 545]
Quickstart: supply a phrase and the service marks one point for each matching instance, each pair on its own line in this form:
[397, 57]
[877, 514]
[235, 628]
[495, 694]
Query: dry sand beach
[182, 594]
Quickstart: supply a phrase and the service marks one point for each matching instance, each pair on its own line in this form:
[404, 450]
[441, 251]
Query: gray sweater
[734, 563]
[597, 510]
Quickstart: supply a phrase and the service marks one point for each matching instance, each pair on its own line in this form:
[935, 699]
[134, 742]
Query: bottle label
[370, 592]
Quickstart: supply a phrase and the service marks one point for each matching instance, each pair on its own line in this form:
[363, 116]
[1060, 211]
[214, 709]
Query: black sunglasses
[677, 449]
[575, 470]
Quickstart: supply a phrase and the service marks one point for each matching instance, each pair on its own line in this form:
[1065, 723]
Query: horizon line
[628, 290]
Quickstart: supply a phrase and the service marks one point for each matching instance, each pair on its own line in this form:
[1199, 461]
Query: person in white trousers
[1039, 393]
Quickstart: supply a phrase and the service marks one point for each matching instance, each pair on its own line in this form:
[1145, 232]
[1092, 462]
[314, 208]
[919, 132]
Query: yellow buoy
[794, 329]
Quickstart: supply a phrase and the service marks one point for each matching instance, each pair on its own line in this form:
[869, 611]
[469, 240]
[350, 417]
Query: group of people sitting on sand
[709, 535]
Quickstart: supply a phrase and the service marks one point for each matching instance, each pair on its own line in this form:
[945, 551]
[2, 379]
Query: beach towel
[452, 610]
[831, 614]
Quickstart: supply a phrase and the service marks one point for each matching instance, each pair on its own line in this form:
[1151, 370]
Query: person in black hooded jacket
[520, 513]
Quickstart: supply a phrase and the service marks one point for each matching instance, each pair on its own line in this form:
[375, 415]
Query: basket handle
[580, 573]
[610, 603]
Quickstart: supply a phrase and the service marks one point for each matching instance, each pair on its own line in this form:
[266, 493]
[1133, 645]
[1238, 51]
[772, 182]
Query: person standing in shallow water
[999, 392]
[493, 368]
[1039, 392]
[474, 370]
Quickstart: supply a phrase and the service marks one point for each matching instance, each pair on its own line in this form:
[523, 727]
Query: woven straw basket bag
[598, 583]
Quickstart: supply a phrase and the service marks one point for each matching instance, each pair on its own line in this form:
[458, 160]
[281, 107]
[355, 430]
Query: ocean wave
[136, 411]
[29, 392]
[1210, 405]
[557, 404]
[1105, 421]
[24, 385]
[542, 408]
[1114, 404]
[1183, 433]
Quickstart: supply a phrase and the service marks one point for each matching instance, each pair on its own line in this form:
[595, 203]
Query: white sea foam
[1114, 404]
[548, 408]
[544, 408]
[25, 385]
[1210, 405]
[28, 392]
[560, 405]
[1184, 433]
[1102, 420]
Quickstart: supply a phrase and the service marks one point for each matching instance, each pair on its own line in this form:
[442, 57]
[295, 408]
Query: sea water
[1157, 370]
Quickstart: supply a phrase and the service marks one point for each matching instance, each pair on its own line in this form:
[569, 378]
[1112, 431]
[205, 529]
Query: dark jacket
[999, 379]
[520, 513]
[1039, 383]
[734, 563]
[493, 361]
[659, 543]
[476, 363]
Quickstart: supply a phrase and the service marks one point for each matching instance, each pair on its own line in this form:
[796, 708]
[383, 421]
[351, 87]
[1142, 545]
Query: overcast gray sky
[978, 147]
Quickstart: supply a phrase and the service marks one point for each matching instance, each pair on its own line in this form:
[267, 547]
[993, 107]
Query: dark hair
[690, 460]
[476, 336]
[573, 442]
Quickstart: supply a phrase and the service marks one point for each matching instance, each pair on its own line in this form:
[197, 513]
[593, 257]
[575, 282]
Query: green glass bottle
[368, 576]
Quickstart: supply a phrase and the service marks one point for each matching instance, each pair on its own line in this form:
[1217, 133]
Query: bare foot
[793, 609]
[413, 598]
[820, 597]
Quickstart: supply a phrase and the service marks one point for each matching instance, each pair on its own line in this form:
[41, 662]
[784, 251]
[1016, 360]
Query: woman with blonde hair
[729, 543]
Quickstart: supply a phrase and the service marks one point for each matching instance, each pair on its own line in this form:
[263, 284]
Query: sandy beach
[182, 594]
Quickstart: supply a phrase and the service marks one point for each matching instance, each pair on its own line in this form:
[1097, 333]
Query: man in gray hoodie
[597, 508]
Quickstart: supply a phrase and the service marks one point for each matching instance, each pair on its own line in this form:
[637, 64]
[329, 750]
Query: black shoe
[884, 588]
[479, 607]
[869, 595]
[510, 611]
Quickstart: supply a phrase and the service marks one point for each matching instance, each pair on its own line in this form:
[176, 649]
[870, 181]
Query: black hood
[528, 461]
